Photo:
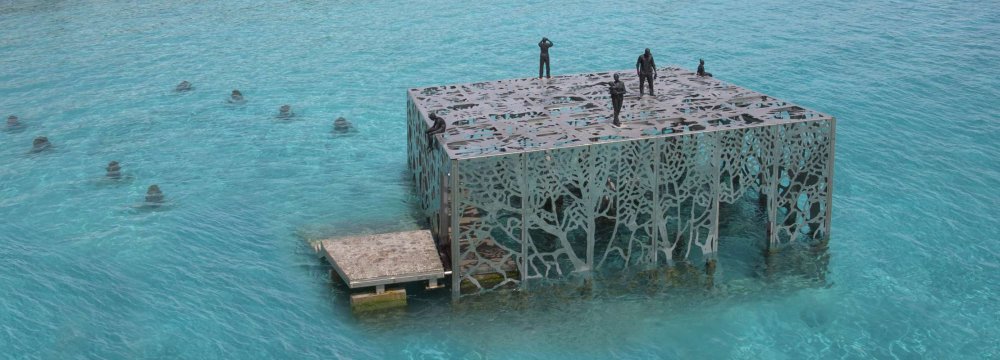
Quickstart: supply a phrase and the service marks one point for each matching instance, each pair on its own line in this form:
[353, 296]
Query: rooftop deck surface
[381, 259]
[520, 115]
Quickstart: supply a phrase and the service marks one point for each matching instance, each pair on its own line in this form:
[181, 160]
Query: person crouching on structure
[438, 127]
[645, 67]
[701, 69]
[617, 89]
[543, 60]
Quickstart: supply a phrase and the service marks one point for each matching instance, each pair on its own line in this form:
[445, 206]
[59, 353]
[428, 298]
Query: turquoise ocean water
[223, 271]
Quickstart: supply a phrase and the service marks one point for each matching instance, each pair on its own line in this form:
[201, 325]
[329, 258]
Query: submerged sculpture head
[236, 95]
[285, 111]
[40, 143]
[153, 194]
[341, 124]
[12, 120]
[183, 86]
[114, 170]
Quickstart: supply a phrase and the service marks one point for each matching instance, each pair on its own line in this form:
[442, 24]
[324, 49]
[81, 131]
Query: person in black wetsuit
[617, 89]
[645, 67]
[438, 127]
[543, 60]
[701, 69]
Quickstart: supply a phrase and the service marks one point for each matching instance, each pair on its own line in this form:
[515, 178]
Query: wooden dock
[380, 260]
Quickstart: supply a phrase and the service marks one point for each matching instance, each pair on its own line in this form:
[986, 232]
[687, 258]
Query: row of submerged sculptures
[340, 125]
[645, 69]
[154, 196]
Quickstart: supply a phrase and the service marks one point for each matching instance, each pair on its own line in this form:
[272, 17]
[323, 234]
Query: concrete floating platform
[384, 259]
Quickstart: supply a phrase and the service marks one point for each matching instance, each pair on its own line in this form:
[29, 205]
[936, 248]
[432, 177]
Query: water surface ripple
[223, 272]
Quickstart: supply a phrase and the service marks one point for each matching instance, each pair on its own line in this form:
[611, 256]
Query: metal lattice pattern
[531, 184]
[506, 116]
[490, 219]
[800, 195]
[429, 167]
[595, 208]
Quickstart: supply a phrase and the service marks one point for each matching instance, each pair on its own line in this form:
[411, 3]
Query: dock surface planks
[383, 259]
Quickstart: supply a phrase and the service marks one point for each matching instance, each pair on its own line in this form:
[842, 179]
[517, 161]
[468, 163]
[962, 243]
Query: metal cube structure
[532, 182]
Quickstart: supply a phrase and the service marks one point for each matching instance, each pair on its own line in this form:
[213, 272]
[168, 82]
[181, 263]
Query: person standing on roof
[543, 60]
[645, 67]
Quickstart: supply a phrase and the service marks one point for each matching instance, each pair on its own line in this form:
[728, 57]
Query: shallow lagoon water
[223, 271]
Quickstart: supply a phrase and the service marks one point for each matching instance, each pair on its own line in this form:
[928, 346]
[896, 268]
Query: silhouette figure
[285, 111]
[543, 60]
[617, 89]
[114, 171]
[701, 69]
[236, 96]
[183, 86]
[438, 127]
[40, 144]
[645, 67]
[153, 195]
[341, 125]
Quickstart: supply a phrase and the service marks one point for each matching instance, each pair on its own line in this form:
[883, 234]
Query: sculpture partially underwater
[342, 126]
[113, 171]
[236, 97]
[14, 124]
[183, 86]
[285, 112]
[154, 197]
[40, 144]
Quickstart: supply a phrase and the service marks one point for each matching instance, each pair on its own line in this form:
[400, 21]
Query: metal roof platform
[530, 114]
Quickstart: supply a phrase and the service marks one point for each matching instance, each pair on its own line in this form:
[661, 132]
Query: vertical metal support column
[525, 209]
[829, 180]
[657, 215]
[442, 228]
[456, 269]
[772, 192]
[589, 200]
[409, 134]
[716, 192]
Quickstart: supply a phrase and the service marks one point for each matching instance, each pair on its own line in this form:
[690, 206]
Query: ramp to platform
[384, 259]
